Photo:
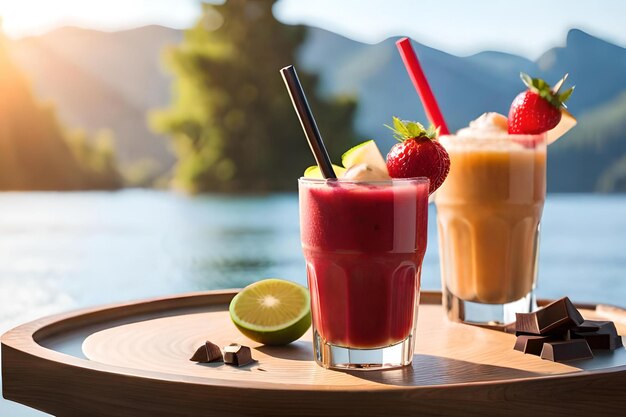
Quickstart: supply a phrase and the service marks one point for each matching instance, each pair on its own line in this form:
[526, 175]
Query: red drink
[364, 244]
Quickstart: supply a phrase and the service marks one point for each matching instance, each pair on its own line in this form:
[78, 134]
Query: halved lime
[364, 153]
[272, 311]
[315, 172]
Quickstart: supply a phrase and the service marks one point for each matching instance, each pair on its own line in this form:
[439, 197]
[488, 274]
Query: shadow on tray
[296, 351]
[435, 370]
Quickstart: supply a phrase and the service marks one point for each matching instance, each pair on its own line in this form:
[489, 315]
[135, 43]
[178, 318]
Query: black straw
[307, 121]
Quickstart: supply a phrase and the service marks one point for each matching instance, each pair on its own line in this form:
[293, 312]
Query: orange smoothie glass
[488, 214]
[364, 243]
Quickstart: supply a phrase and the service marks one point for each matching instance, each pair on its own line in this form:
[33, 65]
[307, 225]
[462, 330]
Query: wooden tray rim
[25, 340]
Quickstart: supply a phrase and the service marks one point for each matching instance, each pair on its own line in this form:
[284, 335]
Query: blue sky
[461, 27]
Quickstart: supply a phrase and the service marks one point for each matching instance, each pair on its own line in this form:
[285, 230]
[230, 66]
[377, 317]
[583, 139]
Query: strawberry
[537, 109]
[418, 154]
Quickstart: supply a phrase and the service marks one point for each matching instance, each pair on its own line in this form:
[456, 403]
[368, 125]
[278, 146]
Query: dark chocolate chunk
[604, 337]
[591, 326]
[557, 316]
[209, 352]
[532, 344]
[566, 350]
[237, 355]
[560, 332]
[599, 340]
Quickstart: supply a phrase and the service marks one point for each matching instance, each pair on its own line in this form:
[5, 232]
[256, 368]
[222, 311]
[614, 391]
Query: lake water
[60, 251]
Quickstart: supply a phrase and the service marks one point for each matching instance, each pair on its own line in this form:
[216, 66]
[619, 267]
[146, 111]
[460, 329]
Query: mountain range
[111, 80]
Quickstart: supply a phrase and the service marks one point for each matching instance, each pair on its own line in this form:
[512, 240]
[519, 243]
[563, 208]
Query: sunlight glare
[33, 17]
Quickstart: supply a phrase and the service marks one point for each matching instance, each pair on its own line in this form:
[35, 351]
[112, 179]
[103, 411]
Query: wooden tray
[137, 364]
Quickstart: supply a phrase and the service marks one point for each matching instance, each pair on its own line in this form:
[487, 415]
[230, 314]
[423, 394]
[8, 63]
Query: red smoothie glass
[364, 243]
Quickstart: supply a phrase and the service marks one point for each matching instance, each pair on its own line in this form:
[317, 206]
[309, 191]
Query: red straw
[420, 82]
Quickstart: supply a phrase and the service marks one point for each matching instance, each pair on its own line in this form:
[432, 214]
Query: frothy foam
[487, 125]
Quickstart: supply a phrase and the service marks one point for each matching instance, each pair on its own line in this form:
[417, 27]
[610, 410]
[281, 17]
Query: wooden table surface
[137, 364]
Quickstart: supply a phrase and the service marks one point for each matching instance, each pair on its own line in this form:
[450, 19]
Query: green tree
[597, 144]
[36, 153]
[232, 123]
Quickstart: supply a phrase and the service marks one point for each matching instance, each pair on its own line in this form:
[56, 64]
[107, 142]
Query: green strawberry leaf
[565, 95]
[403, 130]
[559, 84]
[540, 84]
[526, 79]
[432, 132]
[415, 129]
[400, 127]
[543, 89]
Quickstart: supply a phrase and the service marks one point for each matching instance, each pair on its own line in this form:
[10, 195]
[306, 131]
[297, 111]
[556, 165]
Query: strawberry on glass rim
[419, 153]
[541, 109]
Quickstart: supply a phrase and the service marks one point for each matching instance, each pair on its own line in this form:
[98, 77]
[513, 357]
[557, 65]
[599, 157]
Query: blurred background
[150, 148]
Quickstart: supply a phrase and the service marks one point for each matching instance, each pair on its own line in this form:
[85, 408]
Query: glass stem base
[486, 314]
[345, 358]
